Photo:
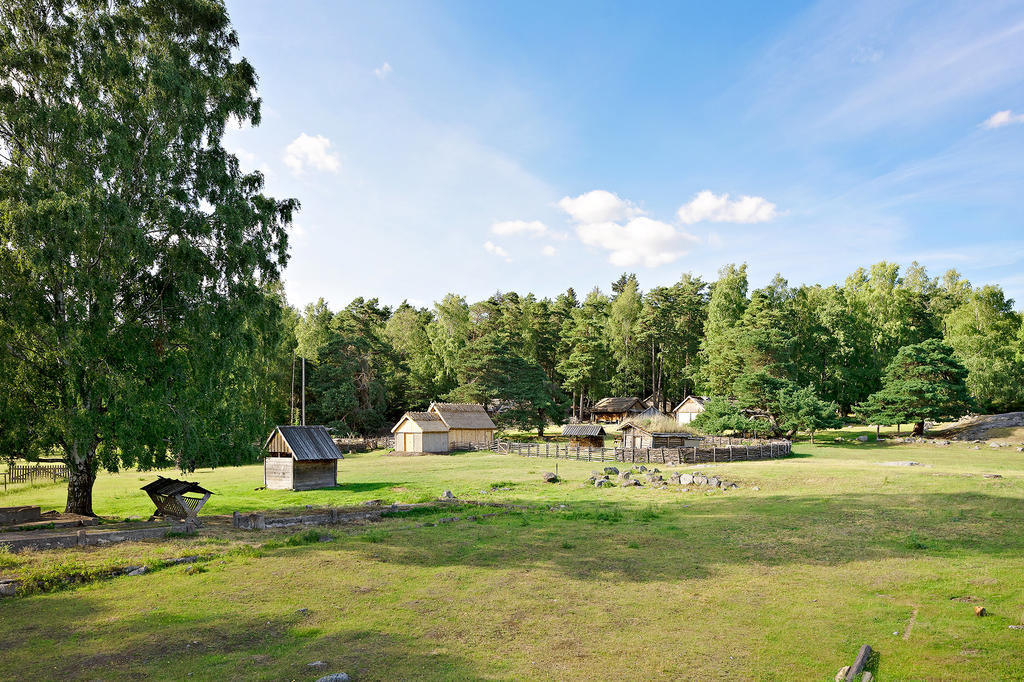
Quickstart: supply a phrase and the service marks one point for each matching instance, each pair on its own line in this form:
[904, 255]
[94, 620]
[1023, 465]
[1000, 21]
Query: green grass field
[782, 583]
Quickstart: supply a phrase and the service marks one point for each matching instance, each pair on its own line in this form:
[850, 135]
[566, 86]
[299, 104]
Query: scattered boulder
[863, 439]
[602, 483]
[995, 445]
[686, 479]
[756, 487]
[611, 471]
[335, 677]
[993, 475]
[317, 664]
[141, 570]
[630, 482]
[447, 495]
[714, 482]
[700, 479]
[980, 611]
[641, 468]
[550, 477]
[1020, 449]
[624, 476]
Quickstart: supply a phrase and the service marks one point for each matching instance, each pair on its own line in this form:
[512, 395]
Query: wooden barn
[468, 423]
[637, 436]
[686, 411]
[419, 432]
[584, 435]
[612, 410]
[300, 458]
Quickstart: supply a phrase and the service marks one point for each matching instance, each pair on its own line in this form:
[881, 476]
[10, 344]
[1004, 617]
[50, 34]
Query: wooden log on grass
[858, 663]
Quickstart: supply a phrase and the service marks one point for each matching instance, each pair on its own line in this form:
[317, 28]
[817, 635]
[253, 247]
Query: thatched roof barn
[300, 458]
[420, 432]
[686, 411]
[584, 435]
[638, 436]
[615, 409]
[468, 423]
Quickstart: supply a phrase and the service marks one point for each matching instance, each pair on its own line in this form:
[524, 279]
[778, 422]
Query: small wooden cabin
[686, 411]
[613, 410]
[584, 435]
[468, 423]
[636, 436]
[300, 458]
[419, 432]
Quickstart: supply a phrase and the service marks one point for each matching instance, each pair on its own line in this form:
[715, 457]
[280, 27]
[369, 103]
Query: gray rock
[686, 479]
[630, 482]
[641, 468]
[863, 439]
[730, 485]
[993, 475]
[550, 477]
[9, 588]
[602, 483]
[611, 471]
[714, 481]
[995, 445]
[447, 495]
[335, 677]
[901, 464]
[1020, 449]
[317, 664]
[700, 479]
[756, 487]
[141, 570]
[656, 470]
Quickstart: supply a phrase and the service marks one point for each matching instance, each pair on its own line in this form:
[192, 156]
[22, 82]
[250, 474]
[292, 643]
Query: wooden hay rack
[177, 499]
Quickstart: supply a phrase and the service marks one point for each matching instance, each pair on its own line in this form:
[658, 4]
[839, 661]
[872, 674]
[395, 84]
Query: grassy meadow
[784, 582]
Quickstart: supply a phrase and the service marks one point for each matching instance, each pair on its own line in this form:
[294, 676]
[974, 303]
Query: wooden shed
[612, 410]
[300, 458]
[686, 411]
[419, 432]
[468, 423]
[584, 435]
[637, 436]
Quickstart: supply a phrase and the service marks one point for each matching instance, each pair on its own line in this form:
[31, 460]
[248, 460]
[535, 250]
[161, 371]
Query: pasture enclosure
[709, 450]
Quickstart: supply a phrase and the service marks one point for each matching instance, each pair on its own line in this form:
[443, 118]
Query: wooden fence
[32, 473]
[714, 451]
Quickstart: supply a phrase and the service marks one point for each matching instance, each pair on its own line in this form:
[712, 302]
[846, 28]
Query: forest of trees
[773, 348]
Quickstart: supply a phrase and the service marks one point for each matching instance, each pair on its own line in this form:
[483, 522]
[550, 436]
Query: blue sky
[532, 146]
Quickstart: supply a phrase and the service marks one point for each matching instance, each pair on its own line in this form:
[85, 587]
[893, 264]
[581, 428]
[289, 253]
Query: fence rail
[32, 473]
[715, 452]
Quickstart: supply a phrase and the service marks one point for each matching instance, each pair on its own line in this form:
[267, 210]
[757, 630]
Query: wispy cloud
[641, 241]
[492, 248]
[1002, 118]
[506, 228]
[549, 251]
[707, 206]
[383, 71]
[311, 151]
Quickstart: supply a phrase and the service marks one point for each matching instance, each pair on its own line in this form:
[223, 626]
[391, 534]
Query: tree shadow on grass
[80, 639]
[620, 541]
[363, 487]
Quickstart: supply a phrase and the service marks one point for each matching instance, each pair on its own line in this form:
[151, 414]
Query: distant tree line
[783, 353]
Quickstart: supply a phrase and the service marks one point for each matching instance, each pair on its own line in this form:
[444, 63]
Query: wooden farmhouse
[636, 436]
[468, 423]
[300, 458]
[418, 432]
[612, 410]
[686, 411]
[584, 435]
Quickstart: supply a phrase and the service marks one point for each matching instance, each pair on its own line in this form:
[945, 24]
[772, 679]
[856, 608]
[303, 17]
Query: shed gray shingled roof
[463, 415]
[309, 442]
[582, 430]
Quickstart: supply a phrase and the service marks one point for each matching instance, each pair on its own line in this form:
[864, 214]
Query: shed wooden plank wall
[277, 473]
[476, 436]
[277, 444]
[311, 474]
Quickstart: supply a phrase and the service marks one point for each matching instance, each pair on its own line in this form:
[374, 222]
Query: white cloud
[718, 209]
[549, 250]
[307, 151]
[382, 71]
[1002, 118]
[491, 247]
[641, 241]
[534, 228]
[598, 206]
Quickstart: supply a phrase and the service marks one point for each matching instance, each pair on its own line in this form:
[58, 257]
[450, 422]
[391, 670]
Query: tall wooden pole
[291, 404]
[303, 391]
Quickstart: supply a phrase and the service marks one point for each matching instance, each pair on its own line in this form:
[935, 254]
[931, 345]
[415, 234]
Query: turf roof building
[686, 411]
[300, 458]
